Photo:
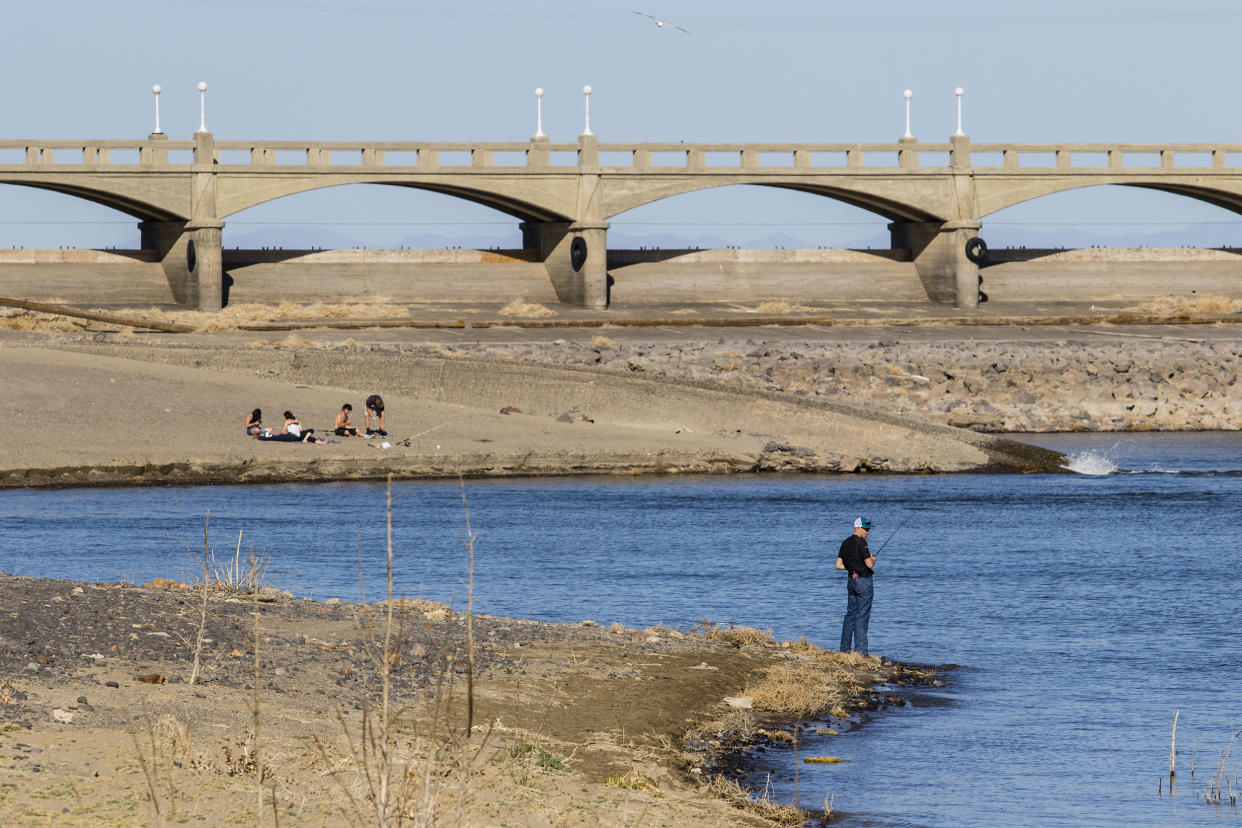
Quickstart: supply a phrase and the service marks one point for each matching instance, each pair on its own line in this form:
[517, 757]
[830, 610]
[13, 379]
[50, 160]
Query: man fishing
[856, 559]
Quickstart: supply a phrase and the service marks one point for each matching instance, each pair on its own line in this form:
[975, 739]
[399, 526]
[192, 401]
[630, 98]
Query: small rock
[510, 409]
[111, 684]
[62, 716]
[740, 702]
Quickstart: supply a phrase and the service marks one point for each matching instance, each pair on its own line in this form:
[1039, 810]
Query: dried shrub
[804, 688]
[781, 306]
[518, 306]
[633, 781]
[734, 726]
[733, 793]
[14, 319]
[732, 634]
[1172, 305]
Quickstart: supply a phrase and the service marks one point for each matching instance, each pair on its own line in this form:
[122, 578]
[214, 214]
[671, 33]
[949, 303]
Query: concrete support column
[938, 250]
[204, 252]
[576, 257]
[204, 261]
[160, 236]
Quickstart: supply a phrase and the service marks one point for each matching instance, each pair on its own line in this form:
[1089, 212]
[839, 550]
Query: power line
[625, 223]
[723, 21]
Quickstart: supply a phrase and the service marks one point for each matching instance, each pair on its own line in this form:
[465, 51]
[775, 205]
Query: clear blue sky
[778, 71]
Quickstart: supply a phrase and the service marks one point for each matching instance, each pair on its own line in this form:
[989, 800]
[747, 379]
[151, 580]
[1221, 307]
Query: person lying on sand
[343, 427]
[292, 432]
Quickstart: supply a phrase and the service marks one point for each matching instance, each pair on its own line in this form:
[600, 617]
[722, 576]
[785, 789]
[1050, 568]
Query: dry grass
[736, 725]
[14, 319]
[732, 634]
[633, 781]
[1221, 789]
[684, 312]
[822, 683]
[602, 341]
[518, 306]
[762, 806]
[781, 306]
[293, 340]
[1172, 305]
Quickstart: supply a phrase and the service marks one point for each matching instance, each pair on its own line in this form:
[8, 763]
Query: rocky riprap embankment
[1143, 385]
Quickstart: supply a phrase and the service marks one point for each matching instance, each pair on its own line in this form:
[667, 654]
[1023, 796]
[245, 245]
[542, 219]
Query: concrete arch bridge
[934, 195]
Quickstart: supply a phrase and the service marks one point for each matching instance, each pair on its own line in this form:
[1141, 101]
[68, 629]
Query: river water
[1084, 610]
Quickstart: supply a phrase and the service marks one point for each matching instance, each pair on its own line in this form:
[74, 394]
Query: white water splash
[1088, 462]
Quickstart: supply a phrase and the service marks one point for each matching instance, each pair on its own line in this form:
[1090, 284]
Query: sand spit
[573, 724]
[120, 414]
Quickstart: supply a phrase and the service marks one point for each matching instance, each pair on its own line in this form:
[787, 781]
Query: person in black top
[374, 408]
[856, 559]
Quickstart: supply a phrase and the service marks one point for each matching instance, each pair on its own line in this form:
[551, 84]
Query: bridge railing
[625, 157]
[94, 153]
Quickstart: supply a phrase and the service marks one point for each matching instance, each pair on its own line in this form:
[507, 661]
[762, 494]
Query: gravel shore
[1138, 383]
[574, 724]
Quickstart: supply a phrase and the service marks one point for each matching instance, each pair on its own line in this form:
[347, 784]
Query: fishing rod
[877, 552]
[407, 440]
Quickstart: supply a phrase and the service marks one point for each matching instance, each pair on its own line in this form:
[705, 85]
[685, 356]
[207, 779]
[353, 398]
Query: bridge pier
[938, 250]
[575, 255]
[192, 256]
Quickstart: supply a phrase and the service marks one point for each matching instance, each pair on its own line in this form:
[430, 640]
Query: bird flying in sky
[660, 23]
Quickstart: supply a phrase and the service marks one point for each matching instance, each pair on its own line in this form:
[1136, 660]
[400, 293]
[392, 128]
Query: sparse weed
[1172, 305]
[633, 781]
[782, 306]
[518, 306]
[732, 634]
[732, 792]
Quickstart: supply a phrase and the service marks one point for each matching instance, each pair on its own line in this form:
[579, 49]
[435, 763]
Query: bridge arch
[498, 192]
[137, 199]
[747, 217]
[373, 217]
[994, 195]
[884, 196]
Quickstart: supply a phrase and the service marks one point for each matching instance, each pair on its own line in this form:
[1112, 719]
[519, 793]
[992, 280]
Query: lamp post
[908, 95]
[202, 106]
[156, 90]
[586, 92]
[959, 92]
[539, 113]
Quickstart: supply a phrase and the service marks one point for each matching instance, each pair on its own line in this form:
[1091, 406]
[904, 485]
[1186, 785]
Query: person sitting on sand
[375, 407]
[293, 432]
[254, 423]
[343, 427]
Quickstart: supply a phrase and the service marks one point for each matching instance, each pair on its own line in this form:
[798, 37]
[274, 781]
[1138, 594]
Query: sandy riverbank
[573, 724]
[97, 411]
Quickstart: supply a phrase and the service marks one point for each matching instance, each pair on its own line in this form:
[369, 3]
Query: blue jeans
[857, 614]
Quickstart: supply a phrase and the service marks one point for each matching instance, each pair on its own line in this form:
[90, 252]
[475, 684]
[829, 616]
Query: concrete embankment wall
[639, 276]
